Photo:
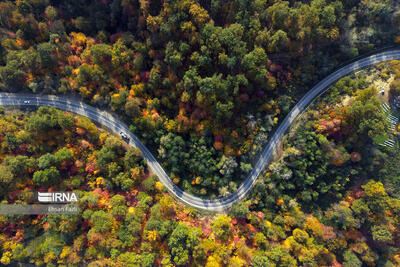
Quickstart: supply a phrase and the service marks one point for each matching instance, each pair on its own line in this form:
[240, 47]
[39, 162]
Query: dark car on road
[124, 137]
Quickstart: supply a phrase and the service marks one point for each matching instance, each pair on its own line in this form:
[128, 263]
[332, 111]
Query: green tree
[260, 240]
[19, 165]
[281, 256]
[10, 141]
[133, 157]
[118, 207]
[365, 117]
[104, 157]
[342, 217]
[44, 119]
[47, 177]
[47, 55]
[132, 107]
[222, 227]
[224, 111]
[63, 154]
[149, 183]
[118, 102]
[121, 56]
[381, 234]
[172, 150]
[255, 65]
[130, 259]
[11, 76]
[241, 209]
[172, 56]
[46, 161]
[66, 121]
[101, 221]
[122, 180]
[51, 13]
[102, 54]
[129, 232]
[6, 175]
[351, 259]
[278, 14]
[277, 41]
[182, 241]
[83, 24]
[395, 87]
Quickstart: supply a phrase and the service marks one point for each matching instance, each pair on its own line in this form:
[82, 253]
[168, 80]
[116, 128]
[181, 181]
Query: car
[124, 136]
[27, 101]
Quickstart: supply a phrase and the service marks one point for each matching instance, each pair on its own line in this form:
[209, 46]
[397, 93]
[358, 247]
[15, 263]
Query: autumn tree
[364, 116]
[47, 177]
[46, 161]
[240, 210]
[12, 76]
[222, 227]
[47, 55]
[132, 107]
[51, 13]
[118, 207]
[182, 241]
[101, 221]
[342, 217]
[395, 87]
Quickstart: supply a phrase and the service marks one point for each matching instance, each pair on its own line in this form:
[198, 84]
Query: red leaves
[97, 190]
[80, 131]
[117, 85]
[218, 138]
[105, 194]
[85, 144]
[90, 167]
[145, 76]
[355, 157]
[331, 128]
[13, 195]
[198, 113]
[22, 149]
[114, 37]
[357, 192]
[260, 215]
[137, 78]
[66, 164]
[74, 61]
[328, 232]
[188, 107]
[244, 97]
[260, 93]
[74, 170]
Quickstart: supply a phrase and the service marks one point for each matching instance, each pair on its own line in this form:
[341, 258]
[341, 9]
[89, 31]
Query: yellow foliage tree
[312, 224]
[212, 262]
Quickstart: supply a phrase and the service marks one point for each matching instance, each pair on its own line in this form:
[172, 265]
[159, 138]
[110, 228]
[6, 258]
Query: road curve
[117, 126]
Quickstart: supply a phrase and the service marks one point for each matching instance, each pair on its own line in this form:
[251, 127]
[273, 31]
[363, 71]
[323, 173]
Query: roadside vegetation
[201, 80]
[203, 84]
[331, 199]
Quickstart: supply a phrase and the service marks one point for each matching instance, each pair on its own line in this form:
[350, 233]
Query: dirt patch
[382, 85]
[346, 100]
[380, 79]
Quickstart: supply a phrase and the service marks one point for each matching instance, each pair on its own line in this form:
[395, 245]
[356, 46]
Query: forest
[203, 83]
[331, 199]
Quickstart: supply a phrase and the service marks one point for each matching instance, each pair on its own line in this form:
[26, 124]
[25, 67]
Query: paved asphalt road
[220, 204]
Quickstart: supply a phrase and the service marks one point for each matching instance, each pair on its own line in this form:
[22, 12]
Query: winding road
[106, 119]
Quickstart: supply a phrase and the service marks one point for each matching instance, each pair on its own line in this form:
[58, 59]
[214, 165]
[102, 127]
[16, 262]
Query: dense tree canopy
[203, 84]
[218, 75]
